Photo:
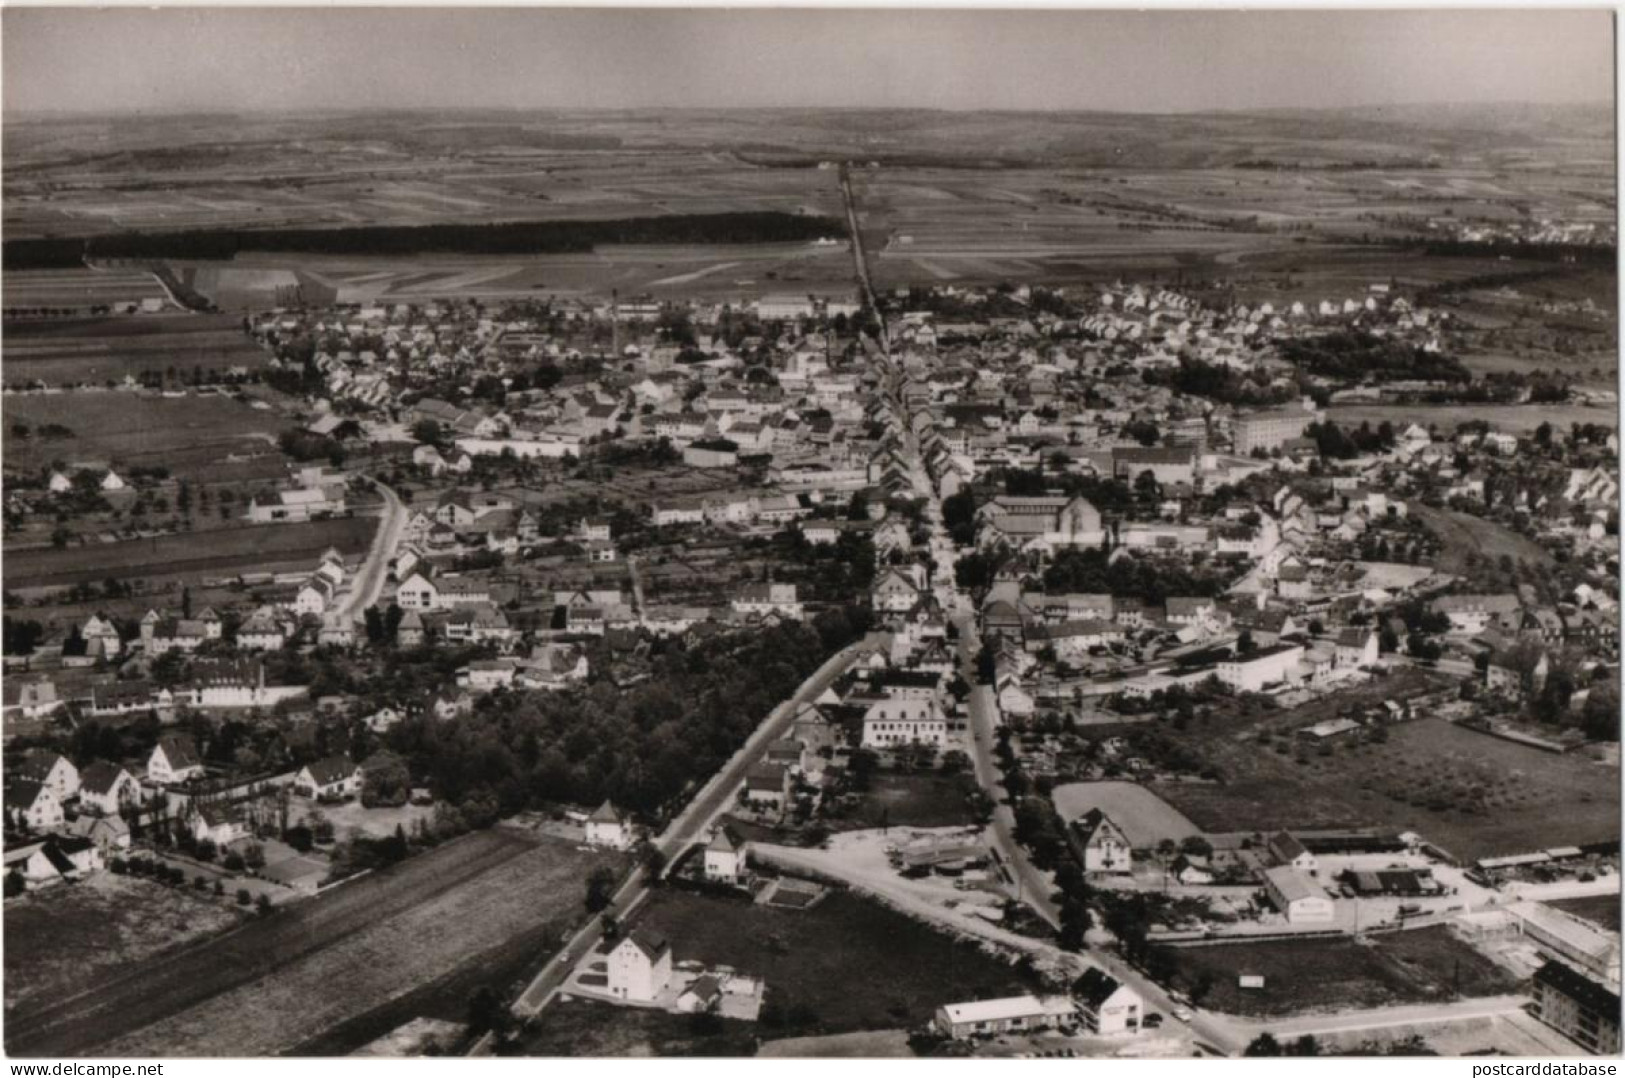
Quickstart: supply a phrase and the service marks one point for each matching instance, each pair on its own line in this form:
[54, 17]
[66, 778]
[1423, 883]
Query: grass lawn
[909, 799]
[1600, 910]
[580, 1028]
[1425, 965]
[60, 940]
[1475, 795]
[1461, 534]
[846, 964]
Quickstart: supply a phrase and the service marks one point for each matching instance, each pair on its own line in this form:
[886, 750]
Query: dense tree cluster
[509, 237]
[1150, 579]
[1355, 356]
[645, 746]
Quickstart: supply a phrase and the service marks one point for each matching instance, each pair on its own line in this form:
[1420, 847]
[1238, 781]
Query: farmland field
[62, 941]
[1475, 795]
[281, 981]
[1419, 966]
[246, 548]
[94, 351]
[77, 288]
[846, 964]
[192, 435]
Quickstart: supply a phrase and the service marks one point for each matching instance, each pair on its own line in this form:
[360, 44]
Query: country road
[368, 582]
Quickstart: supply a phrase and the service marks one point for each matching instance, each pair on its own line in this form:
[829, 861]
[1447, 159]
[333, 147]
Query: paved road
[860, 257]
[1036, 889]
[369, 579]
[713, 799]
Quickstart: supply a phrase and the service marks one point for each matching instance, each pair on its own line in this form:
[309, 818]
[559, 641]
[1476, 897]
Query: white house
[107, 788]
[335, 777]
[174, 759]
[1106, 1005]
[34, 804]
[608, 829]
[640, 967]
[217, 824]
[1355, 648]
[1100, 845]
[50, 769]
[1286, 850]
[725, 857]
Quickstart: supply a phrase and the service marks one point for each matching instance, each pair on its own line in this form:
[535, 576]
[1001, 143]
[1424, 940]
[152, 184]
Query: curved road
[368, 582]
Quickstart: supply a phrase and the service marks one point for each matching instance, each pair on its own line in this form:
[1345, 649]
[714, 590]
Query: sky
[250, 59]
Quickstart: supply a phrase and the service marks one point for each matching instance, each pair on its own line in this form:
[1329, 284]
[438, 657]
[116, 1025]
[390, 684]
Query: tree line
[510, 237]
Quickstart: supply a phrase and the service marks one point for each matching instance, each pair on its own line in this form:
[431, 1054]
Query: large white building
[1256, 670]
[1297, 896]
[640, 967]
[1012, 1014]
[896, 722]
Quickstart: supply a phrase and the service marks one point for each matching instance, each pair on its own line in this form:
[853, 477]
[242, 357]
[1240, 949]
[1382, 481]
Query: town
[1142, 665]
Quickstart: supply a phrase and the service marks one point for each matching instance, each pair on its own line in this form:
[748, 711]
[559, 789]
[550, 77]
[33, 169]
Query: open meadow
[97, 351]
[1475, 795]
[1419, 966]
[201, 437]
[66, 940]
[442, 918]
[845, 964]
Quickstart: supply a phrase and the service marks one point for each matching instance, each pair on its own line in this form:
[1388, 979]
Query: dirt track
[166, 986]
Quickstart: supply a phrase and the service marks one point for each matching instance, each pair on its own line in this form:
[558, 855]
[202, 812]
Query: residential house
[607, 828]
[106, 788]
[1356, 648]
[33, 804]
[217, 823]
[109, 834]
[640, 966]
[52, 769]
[174, 759]
[725, 857]
[1099, 844]
[1106, 1005]
[333, 778]
[1285, 850]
